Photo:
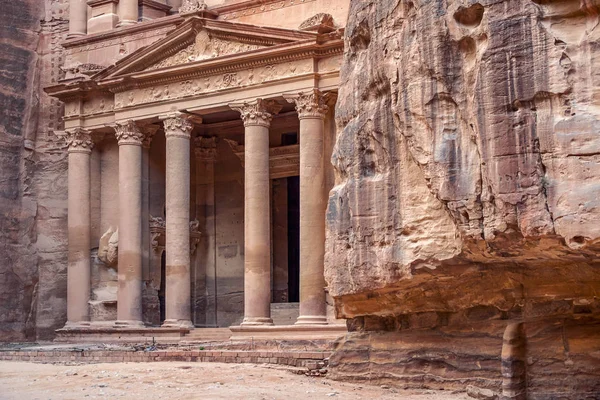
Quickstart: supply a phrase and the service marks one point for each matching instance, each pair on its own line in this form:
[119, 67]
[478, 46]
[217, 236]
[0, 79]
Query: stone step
[207, 335]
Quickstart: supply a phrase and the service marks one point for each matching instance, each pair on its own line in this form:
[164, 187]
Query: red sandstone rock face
[32, 173]
[468, 176]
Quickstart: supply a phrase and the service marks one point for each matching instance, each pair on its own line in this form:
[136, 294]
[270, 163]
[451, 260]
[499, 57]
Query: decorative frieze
[245, 9]
[311, 104]
[178, 125]
[128, 133]
[213, 83]
[78, 140]
[257, 113]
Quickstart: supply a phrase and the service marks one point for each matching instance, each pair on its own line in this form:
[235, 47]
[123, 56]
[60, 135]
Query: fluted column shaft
[129, 294]
[79, 221]
[177, 245]
[312, 109]
[257, 118]
[77, 18]
[128, 12]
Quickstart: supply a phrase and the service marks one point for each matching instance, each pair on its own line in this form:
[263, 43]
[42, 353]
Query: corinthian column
[311, 109]
[129, 294]
[257, 118]
[77, 18]
[128, 12]
[78, 272]
[178, 280]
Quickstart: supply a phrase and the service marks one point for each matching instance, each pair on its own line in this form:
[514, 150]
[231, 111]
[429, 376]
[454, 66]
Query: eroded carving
[204, 48]
[317, 21]
[206, 148]
[192, 6]
[108, 248]
[194, 235]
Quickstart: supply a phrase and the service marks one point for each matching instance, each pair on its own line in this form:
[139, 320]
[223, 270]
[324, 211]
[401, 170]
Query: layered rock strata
[467, 196]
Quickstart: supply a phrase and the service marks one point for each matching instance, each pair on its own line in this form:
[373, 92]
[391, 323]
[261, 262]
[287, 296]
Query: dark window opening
[288, 139]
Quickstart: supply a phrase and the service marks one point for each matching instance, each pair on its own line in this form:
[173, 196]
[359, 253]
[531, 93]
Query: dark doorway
[293, 185]
[163, 285]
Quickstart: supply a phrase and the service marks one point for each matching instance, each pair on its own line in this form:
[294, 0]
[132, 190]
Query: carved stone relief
[274, 5]
[330, 64]
[204, 48]
[108, 248]
[192, 6]
[213, 83]
[98, 105]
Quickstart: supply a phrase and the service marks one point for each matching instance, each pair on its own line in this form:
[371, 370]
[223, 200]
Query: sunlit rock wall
[468, 191]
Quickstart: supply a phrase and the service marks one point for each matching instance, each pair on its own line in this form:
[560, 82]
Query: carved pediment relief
[206, 47]
[199, 39]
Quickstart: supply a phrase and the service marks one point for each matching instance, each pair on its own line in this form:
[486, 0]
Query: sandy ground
[25, 381]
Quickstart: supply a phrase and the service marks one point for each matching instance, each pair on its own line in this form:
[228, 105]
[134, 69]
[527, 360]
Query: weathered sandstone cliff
[32, 172]
[467, 204]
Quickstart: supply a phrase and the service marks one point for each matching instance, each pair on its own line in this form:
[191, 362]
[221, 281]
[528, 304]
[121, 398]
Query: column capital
[78, 140]
[177, 125]
[128, 133]
[149, 131]
[258, 112]
[206, 148]
[309, 104]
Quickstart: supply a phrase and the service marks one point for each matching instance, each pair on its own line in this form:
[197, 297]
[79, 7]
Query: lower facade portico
[201, 194]
[209, 232]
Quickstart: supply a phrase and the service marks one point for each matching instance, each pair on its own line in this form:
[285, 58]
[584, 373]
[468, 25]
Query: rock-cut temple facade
[199, 140]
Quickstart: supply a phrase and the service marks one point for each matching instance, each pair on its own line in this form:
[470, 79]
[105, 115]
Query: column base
[256, 321]
[129, 324]
[178, 323]
[126, 22]
[311, 320]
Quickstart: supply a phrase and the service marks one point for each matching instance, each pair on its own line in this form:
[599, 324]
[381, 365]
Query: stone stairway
[203, 335]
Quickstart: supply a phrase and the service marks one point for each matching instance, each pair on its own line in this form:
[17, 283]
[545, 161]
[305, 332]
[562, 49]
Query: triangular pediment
[199, 39]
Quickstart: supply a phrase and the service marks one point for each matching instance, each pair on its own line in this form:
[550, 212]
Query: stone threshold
[109, 334]
[303, 359]
[288, 332]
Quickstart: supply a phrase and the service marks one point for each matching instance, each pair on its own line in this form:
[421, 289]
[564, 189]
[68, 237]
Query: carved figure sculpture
[108, 248]
[192, 6]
